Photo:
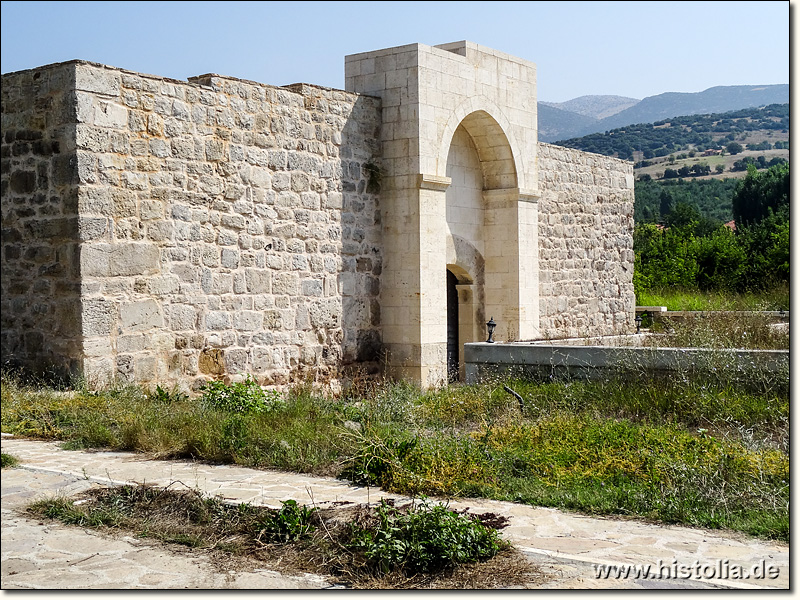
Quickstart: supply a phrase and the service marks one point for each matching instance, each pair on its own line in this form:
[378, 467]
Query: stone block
[140, 316]
[128, 344]
[285, 284]
[145, 368]
[229, 258]
[236, 361]
[125, 259]
[258, 281]
[98, 317]
[109, 114]
[97, 80]
[217, 320]
[248, 321]
[312, 288]
[92, 228]
[212, 362]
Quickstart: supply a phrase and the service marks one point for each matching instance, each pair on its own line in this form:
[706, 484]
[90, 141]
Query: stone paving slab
[48, 555]
[567, 546]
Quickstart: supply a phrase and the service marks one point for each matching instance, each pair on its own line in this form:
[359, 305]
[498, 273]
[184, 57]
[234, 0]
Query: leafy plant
[167, 396]
[427, 538]
[241, 397]
[292, 522]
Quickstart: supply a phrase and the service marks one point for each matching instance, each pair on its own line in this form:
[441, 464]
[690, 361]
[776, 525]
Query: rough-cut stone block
[98, 317]
[140, 316]
[217, 320]
[212, 362]
[99, 81]
[133, 259]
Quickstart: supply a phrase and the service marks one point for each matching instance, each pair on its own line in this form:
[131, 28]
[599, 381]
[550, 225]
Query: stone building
[171, 231]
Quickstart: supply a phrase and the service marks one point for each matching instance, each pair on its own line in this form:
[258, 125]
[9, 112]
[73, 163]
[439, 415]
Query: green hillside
[696, 160]
[694, 132]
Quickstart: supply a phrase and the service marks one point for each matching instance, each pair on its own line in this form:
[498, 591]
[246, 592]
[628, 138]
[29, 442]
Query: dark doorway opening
[452, 328]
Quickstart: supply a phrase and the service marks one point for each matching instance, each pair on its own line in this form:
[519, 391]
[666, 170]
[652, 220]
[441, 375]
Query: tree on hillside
[734, 148]
[761, 209]
[761, 193]
[683, 215]
[665, 204]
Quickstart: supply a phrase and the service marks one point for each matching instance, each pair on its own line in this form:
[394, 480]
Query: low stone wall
[538, 360]
[585, 244]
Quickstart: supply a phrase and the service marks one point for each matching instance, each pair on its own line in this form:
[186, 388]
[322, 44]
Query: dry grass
[184, 521]
[724, 330]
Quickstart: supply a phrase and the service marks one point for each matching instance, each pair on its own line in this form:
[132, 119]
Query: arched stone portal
[459, 188]
[480, 214]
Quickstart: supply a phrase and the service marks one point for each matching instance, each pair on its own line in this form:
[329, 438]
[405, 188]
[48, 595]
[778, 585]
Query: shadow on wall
[40, 275]
[362, 249]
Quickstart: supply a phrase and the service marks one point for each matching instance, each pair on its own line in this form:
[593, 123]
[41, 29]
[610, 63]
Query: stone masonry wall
[585, 244]
[40, 302]
[226, 227]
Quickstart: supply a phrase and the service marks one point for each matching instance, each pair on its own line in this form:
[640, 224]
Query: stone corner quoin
[172, 232]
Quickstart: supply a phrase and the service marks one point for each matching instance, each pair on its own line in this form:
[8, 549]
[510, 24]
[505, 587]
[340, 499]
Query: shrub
[292, 522]
[242, 397]
[425, 539]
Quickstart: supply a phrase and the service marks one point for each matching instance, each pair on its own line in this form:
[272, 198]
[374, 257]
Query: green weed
[241, 397]
[359, 544]
[424, 539]
[291, 523]
[8, 460]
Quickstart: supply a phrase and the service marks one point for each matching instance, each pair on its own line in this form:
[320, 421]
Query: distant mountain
[556, 124]
[763, 128]
[596, 107]
[581, 116]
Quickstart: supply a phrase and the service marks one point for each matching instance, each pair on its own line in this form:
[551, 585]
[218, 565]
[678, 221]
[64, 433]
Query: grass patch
[707, 449]
[723, 330]
[8, 461]
[300, 434]
[696, 300]
[418, 544]
[604, 466]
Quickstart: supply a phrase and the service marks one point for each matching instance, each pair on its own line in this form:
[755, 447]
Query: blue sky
[634, 49]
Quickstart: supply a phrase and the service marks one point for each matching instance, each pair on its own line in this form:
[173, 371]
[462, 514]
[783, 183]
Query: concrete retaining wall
[536, 360]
